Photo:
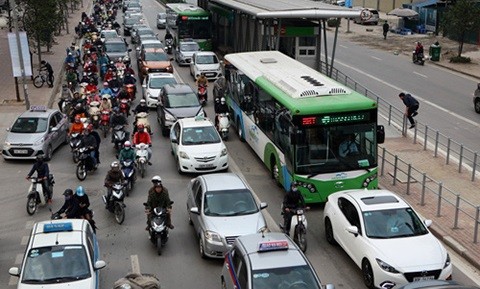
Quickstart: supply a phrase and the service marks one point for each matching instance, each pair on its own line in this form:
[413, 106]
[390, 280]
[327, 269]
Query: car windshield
[297, 277]
[109, 34]
[393, 223]
[200, 135]
[29, 125]
[159, 82]
[229, 203]
[189, 47]
[145, 32]
[147, 37]
[182, 100]
[57, 264]
[115, 47]
[162, 16]
[207, 59]
[155, 56]
[132, 20]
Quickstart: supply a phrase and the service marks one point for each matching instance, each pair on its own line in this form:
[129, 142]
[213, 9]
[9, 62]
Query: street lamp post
[20, 55]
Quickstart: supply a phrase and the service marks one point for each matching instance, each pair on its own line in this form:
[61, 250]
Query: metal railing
[432, 139]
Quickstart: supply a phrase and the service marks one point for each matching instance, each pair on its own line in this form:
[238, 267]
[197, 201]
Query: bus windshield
[335, 148]
[194, 29]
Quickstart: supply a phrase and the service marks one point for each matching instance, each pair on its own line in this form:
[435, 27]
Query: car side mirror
[353, 230]
[137, 49]
[14, 271]
[380, 134]
[53, 129]
[194, 210]
[99, 265]
[7, 129]
[129, 50]
[428, 223]
[263, 205]
[174, 140]
[144, 85]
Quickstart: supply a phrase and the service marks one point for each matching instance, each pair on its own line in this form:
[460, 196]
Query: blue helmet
[80, 191]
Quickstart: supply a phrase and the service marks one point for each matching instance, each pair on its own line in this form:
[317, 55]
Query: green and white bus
[303, 125]
[187, 22]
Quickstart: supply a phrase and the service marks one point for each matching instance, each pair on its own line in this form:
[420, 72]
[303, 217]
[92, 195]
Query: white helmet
[115, 164]
[127, 144]
[156, 179]
[222, 100]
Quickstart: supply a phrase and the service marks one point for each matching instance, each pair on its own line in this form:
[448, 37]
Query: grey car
[221, 207]
[116, 48]
[177, 101]
[161, 20]
[184, 52]
[141, 31]
[129, 22]
[38, 131]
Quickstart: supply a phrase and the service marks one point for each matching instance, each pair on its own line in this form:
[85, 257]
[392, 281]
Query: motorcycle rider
[70, 206]
[78, 110]
[126, 153]
[89, 141]
[158, 197]
[141, 136]
[292, 201]
[202, 80]
[141, 107]
[85, 78]
[106, 89]
[168, 41]
[106, 104]
[98, 139]
[43, 172]
[118, 119]
[418, 50]
[220, 107]
[76, 127]
[83, 202]
[114, 175]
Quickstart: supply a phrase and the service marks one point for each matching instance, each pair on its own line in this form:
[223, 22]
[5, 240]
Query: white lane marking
[374, 57]
[18, 259]
[13, 281]
[343, 46]
[419, 74]
[29, 225]
[24, 240]
[135, 264]
[416, 96]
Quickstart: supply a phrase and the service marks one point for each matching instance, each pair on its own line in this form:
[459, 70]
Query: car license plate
[423, 278]
[21, 152]
[209, 74]
[206, 165]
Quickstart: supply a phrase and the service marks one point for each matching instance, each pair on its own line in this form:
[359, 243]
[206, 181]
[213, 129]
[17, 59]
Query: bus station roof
[289, 9]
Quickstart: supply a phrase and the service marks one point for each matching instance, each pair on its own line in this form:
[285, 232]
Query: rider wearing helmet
[220, 107]
[76, 127]
[158, 197]
[127, 153]
[118, 118]
[83, 206]
[70, 206]
[106, 89]
[141, 136]
[43, 173]
[114, 175]
[97, 137]
[292, 201]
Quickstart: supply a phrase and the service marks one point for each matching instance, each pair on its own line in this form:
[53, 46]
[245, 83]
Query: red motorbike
[125, 106]
[202, 94]
[105, 122]
[130, 89]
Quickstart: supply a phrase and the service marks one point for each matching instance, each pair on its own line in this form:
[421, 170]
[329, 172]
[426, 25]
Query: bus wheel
[275, 172]
[239, 130]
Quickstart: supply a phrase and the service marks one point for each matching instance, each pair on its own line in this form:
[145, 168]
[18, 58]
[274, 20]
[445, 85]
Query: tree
[460, 19]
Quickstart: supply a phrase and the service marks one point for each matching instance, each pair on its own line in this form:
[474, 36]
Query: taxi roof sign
[272, 246]
[57, 227]
[38, 108]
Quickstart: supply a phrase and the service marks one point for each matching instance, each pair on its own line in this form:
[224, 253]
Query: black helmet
[40, 158]
[68, 192]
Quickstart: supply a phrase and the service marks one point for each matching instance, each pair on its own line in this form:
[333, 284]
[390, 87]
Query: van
[372, 18]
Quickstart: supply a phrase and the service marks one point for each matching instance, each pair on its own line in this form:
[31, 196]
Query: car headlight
[38, 142]
[183, 155]
[224, 152]
[169, 117]
[386, 266]
[181, 55]
[447, 262]
[7, 144]
[212, 236]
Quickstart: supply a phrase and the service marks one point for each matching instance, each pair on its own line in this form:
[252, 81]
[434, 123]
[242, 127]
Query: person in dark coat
[386, 27]
[411, 107]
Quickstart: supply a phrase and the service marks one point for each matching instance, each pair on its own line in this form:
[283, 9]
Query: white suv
[205, 62]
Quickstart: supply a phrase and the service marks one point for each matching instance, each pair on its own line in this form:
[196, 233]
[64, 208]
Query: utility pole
[20, 54]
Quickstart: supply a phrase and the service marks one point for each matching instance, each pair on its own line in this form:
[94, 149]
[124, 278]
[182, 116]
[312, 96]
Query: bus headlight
[309, 186]
[368, 180]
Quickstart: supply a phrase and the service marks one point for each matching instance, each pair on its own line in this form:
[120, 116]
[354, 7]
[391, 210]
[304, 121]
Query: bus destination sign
[331, 119]
[185, 18]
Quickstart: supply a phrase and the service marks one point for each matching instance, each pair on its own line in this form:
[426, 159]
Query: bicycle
[41, 78]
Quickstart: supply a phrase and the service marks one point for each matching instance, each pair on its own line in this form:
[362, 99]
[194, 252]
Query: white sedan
[197, 146]
[385, 238]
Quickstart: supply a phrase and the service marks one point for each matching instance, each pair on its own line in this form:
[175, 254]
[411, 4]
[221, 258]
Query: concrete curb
[454, 69]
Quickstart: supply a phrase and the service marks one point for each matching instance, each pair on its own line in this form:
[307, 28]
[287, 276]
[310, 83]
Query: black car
[177, 101]
[476, 99]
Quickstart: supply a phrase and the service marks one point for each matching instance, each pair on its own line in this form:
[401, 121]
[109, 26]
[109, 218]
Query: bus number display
[185, 18]
[336, 119]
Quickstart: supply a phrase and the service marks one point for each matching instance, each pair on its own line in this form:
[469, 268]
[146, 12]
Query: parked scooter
[75, 142]
[202, 94]
[298, 228]
[141, 158]
[114, 202]
[36, 196]
[85, 163]
[105, 122]
[94, 112]
[119, 137]
[128, 171]
[223, 125]
[418, 58]
[157, 228]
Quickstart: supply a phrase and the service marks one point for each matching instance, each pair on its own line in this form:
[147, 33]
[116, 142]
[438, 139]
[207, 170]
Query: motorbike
[169, 45]
[142, 118]
[105, 122]
[114, 202]
[418, 58]
[36, 196]
[128, 171]
[75, 141]
[202, 94]
[223, 125]
[298, 228]
[125, 106]
[130, 88]
[94, 112]
[141, 158]
[58, 216]
[85, 163]
[119, 137]
[157, 228]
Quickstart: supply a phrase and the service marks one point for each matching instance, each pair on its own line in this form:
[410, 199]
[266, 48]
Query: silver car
[184, 52]
[38, 131]
[221, 207]
[161, 20]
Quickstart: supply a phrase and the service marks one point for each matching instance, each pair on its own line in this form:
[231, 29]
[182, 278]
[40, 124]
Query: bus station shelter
[296, 28]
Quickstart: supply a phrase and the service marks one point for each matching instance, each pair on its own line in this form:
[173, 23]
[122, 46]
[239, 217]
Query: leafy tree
[460, 19]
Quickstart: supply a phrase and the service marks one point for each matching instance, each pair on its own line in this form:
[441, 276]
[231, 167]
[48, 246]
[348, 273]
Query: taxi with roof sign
[60, 254]
[268, 260]
[38, 131]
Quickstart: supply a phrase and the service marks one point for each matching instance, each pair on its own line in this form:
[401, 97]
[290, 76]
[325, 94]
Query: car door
[175, 134]
[352, 244]
[53, 133]
[197, 202]
[192, 65]
[62, 128]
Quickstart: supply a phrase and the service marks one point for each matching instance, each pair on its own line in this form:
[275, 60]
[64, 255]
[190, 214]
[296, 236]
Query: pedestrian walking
[411, 107]
[386, 27]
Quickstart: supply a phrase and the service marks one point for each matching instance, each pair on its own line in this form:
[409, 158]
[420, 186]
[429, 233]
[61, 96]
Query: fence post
[460, 159]
[395, 170]
[477, 221]
[424, 181]
[426, 138]
[408, 178]
[436, 143]
[448, 150]
[439, 204]
[383, 162]
[389, 115]
[474, 165]
[457, 210]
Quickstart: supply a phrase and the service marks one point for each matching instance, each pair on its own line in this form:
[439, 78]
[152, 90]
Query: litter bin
[434, 51]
